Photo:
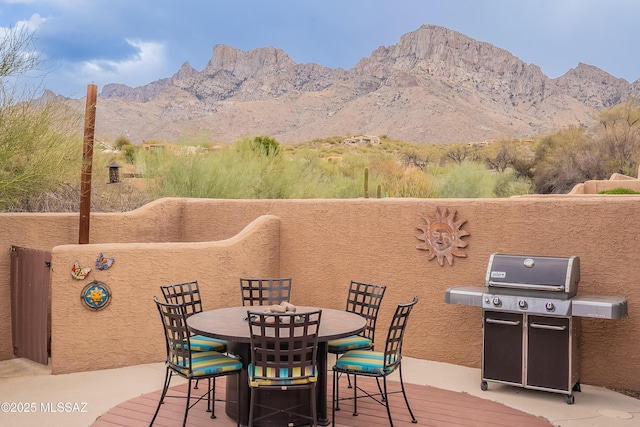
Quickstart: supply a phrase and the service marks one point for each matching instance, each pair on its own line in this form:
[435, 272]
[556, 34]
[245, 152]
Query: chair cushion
[283, 380]
[202, 343]
[354, 342]
[209, 363]
[364, 361]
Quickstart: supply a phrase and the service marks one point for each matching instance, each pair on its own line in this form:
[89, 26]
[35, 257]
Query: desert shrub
[464, 180]
[510, 184]
[241, 172]
[120, 142]
[619, 190]
[39, 142]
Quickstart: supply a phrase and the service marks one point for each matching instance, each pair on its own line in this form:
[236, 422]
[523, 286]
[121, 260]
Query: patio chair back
[395, 336]
[176, 336]
[284, 350]
[186, 294]
[365, 299]
[265, 291]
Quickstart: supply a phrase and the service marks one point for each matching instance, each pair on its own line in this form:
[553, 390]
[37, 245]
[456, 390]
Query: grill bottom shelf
[531, 351]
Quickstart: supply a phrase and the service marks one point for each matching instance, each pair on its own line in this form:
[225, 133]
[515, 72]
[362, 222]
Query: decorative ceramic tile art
[96, 295]
[79, 273]
[103, 263]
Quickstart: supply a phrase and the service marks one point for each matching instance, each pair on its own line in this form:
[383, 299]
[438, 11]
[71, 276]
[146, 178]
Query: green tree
[619, 141]
[39, 145]
[571, 156]
[120, 142]
[460, 153]
[267, 145]
[561, 162]
[129, 153]
[16, 58]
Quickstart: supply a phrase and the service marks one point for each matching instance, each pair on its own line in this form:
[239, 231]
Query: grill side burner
[531, 321]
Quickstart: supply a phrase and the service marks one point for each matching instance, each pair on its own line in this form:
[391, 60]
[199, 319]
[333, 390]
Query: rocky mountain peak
[185, 74]
[435, 85]
[243, 65]
[593, 86]
[438, 52]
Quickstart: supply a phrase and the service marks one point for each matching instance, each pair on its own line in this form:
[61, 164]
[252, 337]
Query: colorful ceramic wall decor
[79, 273]
[96, 295]
[103, 263]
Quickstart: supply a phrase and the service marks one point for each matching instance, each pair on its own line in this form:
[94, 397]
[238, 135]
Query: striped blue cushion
[209, 363]
[354, 342]
[283, 380]
[202, 343]
[365, 361]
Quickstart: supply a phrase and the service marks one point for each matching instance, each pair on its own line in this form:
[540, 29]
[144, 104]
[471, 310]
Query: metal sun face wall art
[441, 236]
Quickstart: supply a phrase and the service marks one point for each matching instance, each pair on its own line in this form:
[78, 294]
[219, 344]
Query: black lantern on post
[114, 173]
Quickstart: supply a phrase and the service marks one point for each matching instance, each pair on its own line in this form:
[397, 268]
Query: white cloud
[31, 25]
[136, 71]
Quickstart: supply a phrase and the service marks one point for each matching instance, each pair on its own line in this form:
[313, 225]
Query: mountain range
[434, 86]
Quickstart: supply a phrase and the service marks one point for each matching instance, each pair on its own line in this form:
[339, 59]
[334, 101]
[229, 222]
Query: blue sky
[135, 42]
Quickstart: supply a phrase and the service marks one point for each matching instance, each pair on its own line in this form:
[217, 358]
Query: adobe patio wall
[155, 222]
[325, 243]
[126, 331]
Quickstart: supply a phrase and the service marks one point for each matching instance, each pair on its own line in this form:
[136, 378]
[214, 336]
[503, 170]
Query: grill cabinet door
[502, 347]
[548, 352]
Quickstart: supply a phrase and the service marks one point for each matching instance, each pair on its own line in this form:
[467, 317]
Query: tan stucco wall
[615, 181]
[322, 245]
[126, 331]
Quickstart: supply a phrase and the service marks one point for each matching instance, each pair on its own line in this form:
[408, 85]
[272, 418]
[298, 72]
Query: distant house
[362, 140]
[480, 143]
[154, 146]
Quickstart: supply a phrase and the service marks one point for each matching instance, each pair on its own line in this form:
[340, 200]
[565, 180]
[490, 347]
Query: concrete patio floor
[41, 399]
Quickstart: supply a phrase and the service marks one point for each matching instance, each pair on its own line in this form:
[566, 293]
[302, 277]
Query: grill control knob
[523, 304]
[549, 306]
[497, 302]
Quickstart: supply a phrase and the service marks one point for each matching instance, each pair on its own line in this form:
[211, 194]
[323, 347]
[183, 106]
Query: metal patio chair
[284, 351]
[375, 364]
[363, 299]
[192, 365]
[188, 295]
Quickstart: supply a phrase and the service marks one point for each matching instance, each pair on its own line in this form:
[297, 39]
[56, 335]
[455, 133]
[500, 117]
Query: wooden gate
[30, 307]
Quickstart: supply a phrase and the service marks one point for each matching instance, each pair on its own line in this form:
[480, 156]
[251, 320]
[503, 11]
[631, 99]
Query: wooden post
[87, 160]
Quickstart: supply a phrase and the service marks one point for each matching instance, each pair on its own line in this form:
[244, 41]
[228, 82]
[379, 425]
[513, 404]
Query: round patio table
[230, 324]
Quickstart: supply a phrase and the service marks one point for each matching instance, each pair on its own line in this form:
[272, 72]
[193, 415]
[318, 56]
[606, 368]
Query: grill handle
[503, 322]
[549, 327]
[526, 286]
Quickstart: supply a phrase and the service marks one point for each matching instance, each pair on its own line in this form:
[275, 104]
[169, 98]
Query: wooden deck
[431, 406]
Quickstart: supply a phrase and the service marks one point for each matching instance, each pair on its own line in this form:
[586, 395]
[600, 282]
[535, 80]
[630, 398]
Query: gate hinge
[47, 264]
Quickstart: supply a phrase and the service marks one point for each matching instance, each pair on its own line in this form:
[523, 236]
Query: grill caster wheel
[484, 386]
[576, 387]
[570, 399]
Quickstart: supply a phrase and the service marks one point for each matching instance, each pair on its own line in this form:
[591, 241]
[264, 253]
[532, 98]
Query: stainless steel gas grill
[531, 320]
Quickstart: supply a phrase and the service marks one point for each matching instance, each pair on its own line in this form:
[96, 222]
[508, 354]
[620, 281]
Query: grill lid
[534, 273]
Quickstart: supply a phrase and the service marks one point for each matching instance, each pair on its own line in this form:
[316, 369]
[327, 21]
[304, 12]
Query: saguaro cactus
[366, 183]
